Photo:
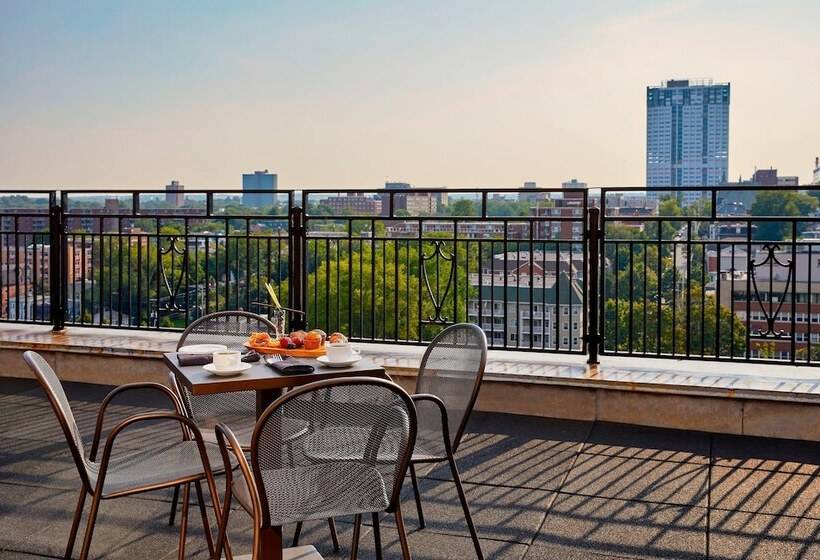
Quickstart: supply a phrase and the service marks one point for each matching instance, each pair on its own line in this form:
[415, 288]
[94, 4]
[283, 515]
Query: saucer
[235, 370]
[202, 349]
[349, 362]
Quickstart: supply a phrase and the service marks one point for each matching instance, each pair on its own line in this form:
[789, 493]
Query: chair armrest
[186, 423]
[445, 425]
[229, 445]
[122, 389]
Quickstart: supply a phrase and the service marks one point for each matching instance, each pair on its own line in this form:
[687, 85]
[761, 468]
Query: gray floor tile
[769, 492]
[12, 385]
[426, 545]
[535, 454]
[638, 479]
[38, 463]
[616, 527]
[641, 442]
[782, 455]
[501, 513]
[511, 461]
[558, 552]
[749, 536]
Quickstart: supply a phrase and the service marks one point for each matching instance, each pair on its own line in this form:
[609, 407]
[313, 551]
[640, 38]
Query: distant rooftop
[702, 82]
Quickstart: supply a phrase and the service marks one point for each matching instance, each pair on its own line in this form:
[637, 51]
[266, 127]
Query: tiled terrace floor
[540, 489]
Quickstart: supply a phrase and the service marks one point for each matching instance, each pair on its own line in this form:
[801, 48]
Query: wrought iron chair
[119, 474]
[449, 379]
[236, 409]
[450, 376]
[373, 418]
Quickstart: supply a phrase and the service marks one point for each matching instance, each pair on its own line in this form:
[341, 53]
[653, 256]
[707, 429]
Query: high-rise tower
[687, 135]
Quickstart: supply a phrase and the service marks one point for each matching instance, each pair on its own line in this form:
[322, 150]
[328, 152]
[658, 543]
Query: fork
[269, 359]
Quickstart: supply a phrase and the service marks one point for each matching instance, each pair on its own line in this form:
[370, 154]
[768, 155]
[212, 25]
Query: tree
[705, 322]
[780, 203]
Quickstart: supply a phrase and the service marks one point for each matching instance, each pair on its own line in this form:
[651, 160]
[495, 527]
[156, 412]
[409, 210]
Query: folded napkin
[202, 359]
[291, 366]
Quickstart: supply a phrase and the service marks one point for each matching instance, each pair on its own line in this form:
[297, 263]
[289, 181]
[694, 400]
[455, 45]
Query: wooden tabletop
[262, 377]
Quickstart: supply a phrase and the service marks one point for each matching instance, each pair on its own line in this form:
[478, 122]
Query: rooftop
[539, 488]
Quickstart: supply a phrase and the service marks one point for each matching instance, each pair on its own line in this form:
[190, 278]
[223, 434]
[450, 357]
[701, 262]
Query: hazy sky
[467, 93]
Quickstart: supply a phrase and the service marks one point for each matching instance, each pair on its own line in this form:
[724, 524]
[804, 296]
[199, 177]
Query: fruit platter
[299, 344]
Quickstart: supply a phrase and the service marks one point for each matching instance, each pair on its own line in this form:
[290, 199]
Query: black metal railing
[399, 265]
[721, 273]
[159, 260]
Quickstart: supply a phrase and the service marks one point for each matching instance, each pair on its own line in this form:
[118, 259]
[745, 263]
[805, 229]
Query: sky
[473, 93]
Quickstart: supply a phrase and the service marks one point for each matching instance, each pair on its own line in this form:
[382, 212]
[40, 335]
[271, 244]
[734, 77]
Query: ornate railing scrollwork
[770, 311]
[171, 286]
[440, 253]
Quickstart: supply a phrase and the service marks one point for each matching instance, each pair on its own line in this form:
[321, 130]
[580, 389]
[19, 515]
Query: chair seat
[154, 467]
[340, 444]
[318, 492]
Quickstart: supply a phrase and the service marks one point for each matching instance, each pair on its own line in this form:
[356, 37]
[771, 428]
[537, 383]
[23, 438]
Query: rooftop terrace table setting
[263, 379]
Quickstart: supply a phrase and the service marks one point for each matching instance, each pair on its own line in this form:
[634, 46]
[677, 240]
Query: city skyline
[436, 94]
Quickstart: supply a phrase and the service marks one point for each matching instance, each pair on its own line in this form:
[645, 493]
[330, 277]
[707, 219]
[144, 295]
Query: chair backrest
[359, 432]
[231, 328]
[62, 409]
[452, 369]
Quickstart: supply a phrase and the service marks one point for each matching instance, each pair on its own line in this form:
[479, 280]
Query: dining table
[268, 384]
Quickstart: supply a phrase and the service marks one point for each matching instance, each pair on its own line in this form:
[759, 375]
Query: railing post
[297, 247]
[58, 271]
[593, 332]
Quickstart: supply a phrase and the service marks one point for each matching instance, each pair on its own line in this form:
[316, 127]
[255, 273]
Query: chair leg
[222, 525]
[214, 492]
[89, 529]
[183, 522]
[296, 534]
[377, 536]
[417, 494]
[331, 523]
[78, 513]
[465, 507]
[405, 547]
[357, 529]
[174, 500]
[200, 498]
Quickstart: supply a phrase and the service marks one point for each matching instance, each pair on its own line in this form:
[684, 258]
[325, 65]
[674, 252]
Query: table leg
[264, 398]
[270, 543]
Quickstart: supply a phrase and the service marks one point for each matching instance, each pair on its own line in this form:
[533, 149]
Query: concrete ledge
[767, 400]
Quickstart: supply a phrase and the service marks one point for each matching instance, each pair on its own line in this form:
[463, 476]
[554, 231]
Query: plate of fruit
[301, 344]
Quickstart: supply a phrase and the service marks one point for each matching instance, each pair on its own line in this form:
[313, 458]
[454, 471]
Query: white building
[687, 135]
[539, 304]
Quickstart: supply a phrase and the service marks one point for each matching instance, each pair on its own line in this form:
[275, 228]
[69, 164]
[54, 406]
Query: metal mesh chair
[283, 484]
[126, 473]
[446, 390]
[236, 409]
[449, 379]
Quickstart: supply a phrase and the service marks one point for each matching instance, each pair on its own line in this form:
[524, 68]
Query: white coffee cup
[227, 359]
[340, 351]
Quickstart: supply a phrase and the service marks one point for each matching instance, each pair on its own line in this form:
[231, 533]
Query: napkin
[202, 359]
[291, 366]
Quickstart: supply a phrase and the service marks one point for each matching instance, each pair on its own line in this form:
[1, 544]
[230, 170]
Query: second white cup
[227, 359]
[340, 351]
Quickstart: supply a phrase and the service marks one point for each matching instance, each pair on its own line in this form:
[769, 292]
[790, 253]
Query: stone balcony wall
[734, 398]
